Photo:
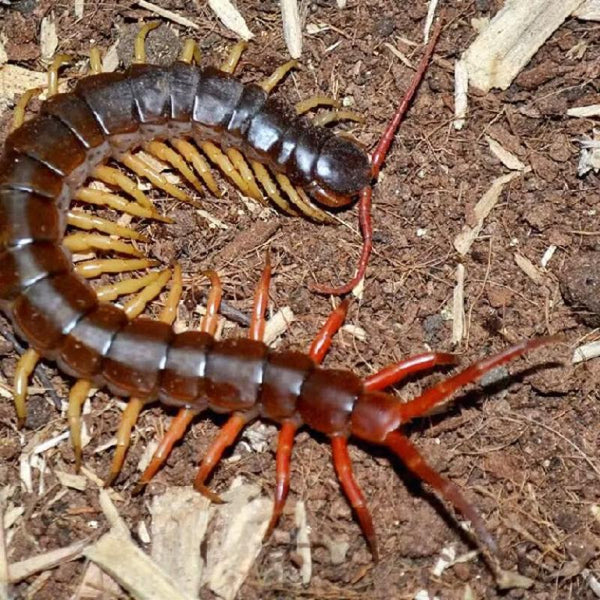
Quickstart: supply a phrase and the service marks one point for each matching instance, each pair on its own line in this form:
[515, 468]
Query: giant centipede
[47, 161]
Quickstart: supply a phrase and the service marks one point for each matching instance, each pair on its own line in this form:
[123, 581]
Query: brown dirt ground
[525, 450]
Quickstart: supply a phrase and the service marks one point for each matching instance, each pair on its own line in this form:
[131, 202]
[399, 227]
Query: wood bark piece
[513, 36]
[179, 521]
[588, 11]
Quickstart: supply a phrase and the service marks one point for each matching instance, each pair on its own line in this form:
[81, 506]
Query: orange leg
[343, 468]
[398, 371]
[237, 421]
[185, 416]
[322, 341]
[413, 460]
[224, 439]
[377, 159]
[282, 471]
[442, 391]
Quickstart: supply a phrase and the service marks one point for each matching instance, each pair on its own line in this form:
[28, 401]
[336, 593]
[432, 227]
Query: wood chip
[135, 571]
[48, 560]
[116, 522]
[303, 541]
[535, 274]
[4, 577]
[78, 8]
[15, 80]
[70, 480]
[513, 36]
[3, 54]
[168, 14]
[48, 39]
[589, 159]
[292, 29]
[97, 585]
[238, 538]
[179, 521]
[341, 3]
[229, 15]
[110, 62]
[431, 8]
[592, 110]
[464, 240]
[458, 306]
[507, 158]
[461, 87]
[278, 324]
[586, 352]
[588, 11]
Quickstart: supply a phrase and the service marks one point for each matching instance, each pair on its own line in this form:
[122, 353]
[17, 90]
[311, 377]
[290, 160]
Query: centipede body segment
[190, 117]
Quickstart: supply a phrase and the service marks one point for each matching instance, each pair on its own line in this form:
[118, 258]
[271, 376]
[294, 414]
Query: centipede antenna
[59, 61]
[233, 59]
[25, 367]
[95, 61]
[139, 55]
[382, 148]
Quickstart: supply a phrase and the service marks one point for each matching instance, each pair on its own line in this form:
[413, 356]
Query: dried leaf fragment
[229, 15]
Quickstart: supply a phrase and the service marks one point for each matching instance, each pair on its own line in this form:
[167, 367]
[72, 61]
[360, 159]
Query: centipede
[183, 114]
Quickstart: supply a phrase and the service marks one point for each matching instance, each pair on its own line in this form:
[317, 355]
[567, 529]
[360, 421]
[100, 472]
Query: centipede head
[341, 172]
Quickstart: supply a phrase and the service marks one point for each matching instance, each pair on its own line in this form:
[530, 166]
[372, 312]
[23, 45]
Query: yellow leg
[271, 189]
[191, 153]
[95, 61]
[135, 405]
[83, 220]
[139, 55]
[239, 162]
[309, 103]
[19, 114]
[301, 201]
[210, 320]
[163, 152]
[93, 268]
[270, 82]
[59, 60]
[221, 160]
[143, 169]
[136, 305]
[101, 198]
[113, 176]
[233, 59]
[77, 396]
[25, 367]
[330, 116]
[84, 242]
[111, 291]
[190, 52]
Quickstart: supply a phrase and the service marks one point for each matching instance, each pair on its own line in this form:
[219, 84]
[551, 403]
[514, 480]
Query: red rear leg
[377, 159]
[322, 342]
[237, 421]
[185, 416]
[399, 371]
[442, 391]
[413, 460]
